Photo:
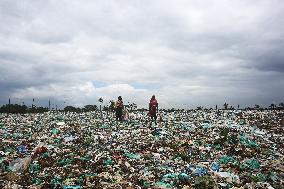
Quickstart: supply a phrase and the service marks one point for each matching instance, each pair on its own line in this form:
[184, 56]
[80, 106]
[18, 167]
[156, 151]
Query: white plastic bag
[20, 165]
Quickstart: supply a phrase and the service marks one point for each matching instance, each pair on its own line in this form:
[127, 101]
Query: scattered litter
[185, 149]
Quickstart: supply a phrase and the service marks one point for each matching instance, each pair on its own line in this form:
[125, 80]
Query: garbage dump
[185, 149]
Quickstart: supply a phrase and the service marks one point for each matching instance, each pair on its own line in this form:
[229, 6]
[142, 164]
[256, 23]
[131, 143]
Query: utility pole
[9, 105]
[101, 100]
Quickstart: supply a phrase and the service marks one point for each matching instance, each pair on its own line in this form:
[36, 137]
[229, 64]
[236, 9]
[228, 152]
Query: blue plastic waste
[201, 171]
[22, 149]
[157, 131]
[215, 167]
[189, 168]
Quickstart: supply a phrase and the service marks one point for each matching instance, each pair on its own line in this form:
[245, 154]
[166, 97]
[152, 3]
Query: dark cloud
[271, 59]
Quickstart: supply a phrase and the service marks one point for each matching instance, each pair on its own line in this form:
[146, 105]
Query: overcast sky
[186, 52]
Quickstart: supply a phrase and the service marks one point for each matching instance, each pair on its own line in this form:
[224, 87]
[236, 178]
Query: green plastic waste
[226, 160]
[56, 181]
[218, 147]
[206, 126]
[273, 176]
[251, 164]
[8, 150]
[183, 176]
[65, 162]
[34, 168]
[90, 175]
[82, 178]
[56, 140]
[197, 142]
[247, 142]
[86, 158]
[55, 131]
[146, 184]
[46, 174]
[132, 156]
[60, 118]
[17, 135]
[6, 136]
[260, 177]
[108, 162]
[171, 176]
[2, 166]
[104, 126]
[44, 155]
[36, 181]
[242, 122]
[164, 167]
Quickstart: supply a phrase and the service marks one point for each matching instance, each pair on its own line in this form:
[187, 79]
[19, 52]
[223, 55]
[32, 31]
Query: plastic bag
[20, 164]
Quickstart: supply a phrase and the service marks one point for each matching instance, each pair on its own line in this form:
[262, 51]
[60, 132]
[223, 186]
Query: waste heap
[185, 149]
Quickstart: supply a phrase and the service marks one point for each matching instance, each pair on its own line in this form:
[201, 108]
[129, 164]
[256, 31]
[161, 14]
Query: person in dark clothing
[119, 108]
[153, 107]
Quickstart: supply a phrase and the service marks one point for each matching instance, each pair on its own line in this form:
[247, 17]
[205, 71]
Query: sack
[125, 115]
[20, 165]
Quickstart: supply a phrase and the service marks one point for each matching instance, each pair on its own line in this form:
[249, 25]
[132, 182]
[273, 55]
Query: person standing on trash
[119, 108]
[153, 107]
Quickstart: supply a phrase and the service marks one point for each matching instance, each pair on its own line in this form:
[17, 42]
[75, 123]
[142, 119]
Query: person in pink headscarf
[153, 108]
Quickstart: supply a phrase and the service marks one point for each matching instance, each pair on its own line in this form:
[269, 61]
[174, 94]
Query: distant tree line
[22, 109]
[87, 108]
[280, 106]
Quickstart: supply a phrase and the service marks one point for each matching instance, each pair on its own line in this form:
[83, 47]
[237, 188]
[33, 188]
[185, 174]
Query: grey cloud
[186, 52]
[268, 58]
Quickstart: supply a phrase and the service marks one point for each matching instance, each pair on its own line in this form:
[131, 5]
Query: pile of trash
[185, 149]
